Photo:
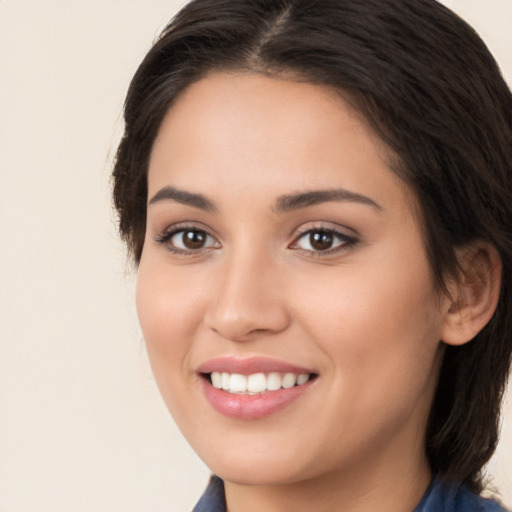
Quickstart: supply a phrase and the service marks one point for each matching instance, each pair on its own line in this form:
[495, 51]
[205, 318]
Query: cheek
[359, 300]
[168, 312]
[380, 326]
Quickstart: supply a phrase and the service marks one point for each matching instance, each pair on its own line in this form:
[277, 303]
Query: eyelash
[169, 233]
[345, 242]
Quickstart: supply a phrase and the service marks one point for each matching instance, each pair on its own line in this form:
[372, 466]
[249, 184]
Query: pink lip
[251, 407]
[247, 366]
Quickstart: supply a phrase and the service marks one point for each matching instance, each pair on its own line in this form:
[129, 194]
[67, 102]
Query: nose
[249, 300]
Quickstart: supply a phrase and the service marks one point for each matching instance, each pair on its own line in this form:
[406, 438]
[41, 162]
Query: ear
[475, 295]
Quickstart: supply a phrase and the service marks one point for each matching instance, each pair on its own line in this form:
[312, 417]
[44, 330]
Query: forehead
[255, 100]
[234, 129]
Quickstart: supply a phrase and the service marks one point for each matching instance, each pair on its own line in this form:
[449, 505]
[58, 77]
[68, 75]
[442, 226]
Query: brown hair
[432, 91]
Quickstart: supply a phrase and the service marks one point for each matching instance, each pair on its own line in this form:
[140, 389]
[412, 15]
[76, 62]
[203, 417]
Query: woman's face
[282, 249]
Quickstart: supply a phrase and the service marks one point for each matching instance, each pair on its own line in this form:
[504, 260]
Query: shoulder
[440, 497]
[447, 497]
[213, 498]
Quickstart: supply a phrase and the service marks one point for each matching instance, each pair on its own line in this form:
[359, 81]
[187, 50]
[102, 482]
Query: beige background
[82, 427]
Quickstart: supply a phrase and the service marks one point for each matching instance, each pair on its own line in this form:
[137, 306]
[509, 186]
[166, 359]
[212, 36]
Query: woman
[317, 194]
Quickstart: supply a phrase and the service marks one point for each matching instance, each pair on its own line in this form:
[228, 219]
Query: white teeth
[289, 380]
[225, 381]
[216, 380]
[256, 382]
[237, 383]
[302, 379]
[273, 381]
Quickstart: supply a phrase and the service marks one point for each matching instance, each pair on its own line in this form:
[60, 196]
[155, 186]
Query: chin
[263, 474]
[259, 465]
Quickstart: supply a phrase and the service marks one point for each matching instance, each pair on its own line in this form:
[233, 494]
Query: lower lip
[252, 407]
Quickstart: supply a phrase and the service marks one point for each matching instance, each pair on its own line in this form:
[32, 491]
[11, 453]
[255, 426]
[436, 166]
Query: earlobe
[475, 296]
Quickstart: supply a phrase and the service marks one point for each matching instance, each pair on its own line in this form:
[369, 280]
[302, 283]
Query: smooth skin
[342, 287]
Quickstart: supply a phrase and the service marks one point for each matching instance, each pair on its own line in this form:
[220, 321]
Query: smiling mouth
[256, 383]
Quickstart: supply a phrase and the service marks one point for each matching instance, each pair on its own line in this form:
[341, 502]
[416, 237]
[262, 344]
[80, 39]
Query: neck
[395, 486]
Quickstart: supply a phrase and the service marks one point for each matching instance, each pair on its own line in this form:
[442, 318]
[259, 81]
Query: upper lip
[250, 365]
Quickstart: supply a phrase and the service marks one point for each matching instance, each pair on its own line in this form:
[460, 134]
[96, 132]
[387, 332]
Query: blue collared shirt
[444, 497]
[440, 497]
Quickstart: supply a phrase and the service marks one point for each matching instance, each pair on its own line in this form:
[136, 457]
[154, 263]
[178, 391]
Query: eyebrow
[304, 199]
[183, 197]
[285, 203]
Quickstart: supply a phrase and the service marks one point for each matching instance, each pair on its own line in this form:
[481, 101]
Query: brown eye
[194, 239]
[321, 240]
[190, 240]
